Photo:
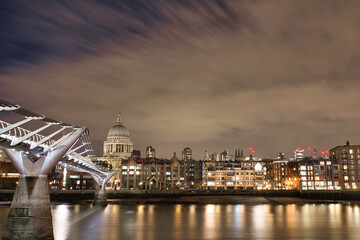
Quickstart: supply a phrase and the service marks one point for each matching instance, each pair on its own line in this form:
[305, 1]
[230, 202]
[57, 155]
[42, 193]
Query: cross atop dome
[119, 118]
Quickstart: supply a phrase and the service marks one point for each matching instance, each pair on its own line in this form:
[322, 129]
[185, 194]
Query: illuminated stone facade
[238, 174]
[117, 146]
[161, 174]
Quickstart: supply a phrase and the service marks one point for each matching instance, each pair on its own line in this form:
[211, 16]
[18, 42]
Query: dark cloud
[211, 75]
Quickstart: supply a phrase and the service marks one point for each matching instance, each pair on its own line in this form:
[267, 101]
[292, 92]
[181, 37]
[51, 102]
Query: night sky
[211, 75]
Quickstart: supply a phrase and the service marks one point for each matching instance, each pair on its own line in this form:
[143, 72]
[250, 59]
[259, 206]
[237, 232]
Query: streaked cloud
[205, 74]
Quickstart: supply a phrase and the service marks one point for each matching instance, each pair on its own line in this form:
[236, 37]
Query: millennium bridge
[34, 155]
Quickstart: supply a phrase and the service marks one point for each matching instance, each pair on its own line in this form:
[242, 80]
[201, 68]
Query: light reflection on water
[182, 221]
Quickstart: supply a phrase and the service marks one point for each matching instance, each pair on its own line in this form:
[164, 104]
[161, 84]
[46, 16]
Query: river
[210, 221]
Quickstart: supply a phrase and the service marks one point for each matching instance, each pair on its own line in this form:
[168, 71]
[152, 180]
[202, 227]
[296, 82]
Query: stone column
[30, 211]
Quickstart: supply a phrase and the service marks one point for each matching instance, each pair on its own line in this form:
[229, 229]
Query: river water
[211, 221]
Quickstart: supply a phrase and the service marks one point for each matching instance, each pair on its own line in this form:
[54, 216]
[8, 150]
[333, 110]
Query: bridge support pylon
[30, 212]
[100, 198]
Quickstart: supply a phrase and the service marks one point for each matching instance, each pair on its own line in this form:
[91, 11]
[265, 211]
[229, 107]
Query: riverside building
[282, 174]
[319, 174]
[349, 162]
[232, 174]
[161, 174]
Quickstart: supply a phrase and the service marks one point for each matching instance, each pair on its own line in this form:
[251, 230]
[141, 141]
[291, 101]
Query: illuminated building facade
[349, 162]
[194, 173]
[224, 156]
[150, 152]
[155, 173]
[282, 174]
[319, 174]
[299, 153]
[223, 175]
[186, 153]
[74, 181]
[117, 146]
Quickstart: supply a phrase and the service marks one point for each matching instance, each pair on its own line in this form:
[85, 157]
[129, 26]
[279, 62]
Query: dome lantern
[119, 118]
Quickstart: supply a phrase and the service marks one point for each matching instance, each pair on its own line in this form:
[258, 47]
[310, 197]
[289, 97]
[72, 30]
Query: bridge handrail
[20, 132]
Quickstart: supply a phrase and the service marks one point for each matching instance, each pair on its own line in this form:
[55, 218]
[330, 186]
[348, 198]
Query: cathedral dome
[119, 130]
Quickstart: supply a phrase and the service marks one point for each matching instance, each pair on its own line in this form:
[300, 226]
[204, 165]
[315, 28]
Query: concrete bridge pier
[100, 198]
[30, 212]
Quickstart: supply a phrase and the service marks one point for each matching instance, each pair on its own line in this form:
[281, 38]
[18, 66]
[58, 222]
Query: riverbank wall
[79, 195]
[331, 195]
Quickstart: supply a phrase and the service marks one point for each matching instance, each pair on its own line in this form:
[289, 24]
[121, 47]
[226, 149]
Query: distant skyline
[209, 75]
